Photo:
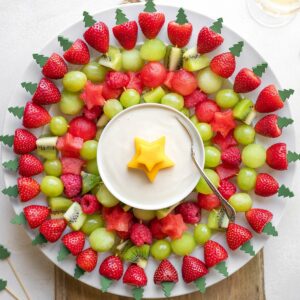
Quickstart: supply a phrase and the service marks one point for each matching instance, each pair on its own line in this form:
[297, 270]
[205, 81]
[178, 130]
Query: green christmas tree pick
[150, 6]
[217, 25]
[259, 70]
[88, 20]
[3, 287]
[120, 17]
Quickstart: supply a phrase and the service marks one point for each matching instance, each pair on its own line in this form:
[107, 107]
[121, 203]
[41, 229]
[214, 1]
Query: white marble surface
[25, 26]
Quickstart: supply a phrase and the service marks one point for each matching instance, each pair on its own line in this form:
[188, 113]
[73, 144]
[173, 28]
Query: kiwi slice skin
[112, 59]
[173, 58]
[218, 220]
[59, 204]
[47, 143]
[75, 216]
[138, 255]
[193, 61]
[242, 109]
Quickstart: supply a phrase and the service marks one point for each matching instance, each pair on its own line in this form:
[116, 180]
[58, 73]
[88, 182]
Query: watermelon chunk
[69, 146]
[92, 95]
[223, 122]
[173, 226]
[168, 80]
[224, 142]
[226, 172]
[71, 165]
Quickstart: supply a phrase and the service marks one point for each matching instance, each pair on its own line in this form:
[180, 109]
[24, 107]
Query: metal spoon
[229, 210]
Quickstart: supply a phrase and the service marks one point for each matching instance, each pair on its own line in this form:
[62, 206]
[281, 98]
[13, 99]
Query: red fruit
[126, 34]
[224, 142]
[268, 100]
[83, 128]
[223, 122]
[78, 53]
[35, 116]
[208, 202]
[46, 93]
[116, 80]
[165, 272]
[135, 276]
[29, 165]
[223, 64]
[53, 229]
[258, 218]
[206, 110]
[192, 269]
[109, 93]
[268, 126]
[69, 145]
[194, 98]
[93, 113]
[190, 212]
[214, 253]
[24, 141]
[266, 185]
[97, 36]
[173, 226]
[151, 23]
[226, 188]
[179, 34]
[72, 184]
[140, 234]
[111, 268]
[184, 82]
[55, 67]
[237, 235]
[277, 156]
[90, 204]
[71, 165]
[246, 81]
[35, 215]
[135, 82]
[28, 188]
[208, 40]
[153, 74]
[226, 172]
[168, 80]
[87, 260]
[74, 242]
[156, 229]
[92, 95]
[231, 156]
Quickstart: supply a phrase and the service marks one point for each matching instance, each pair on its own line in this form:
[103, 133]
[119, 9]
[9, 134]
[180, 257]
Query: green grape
[246, 179]
[212, 156]
[58, 125]
[112, 107]
[102, 240]
[105, 197]
[131, 60]
[153, 50]
[185, 111]
[254, 156]
[195, 121]
[91, 166]
[174, 100]
[207, 143]
[208, 81]
[130, 97]
[227, 98]
[244, 134]
[89, 150]
[144, 215]
[70, 103]
[74, 81]
[205, 131]
[202, 234]
[53, 167]
[155, 95]
[241, 202]
[202, 186]
[161, 249]
[184, 245]
[94, 71]
[91, 223]
[52, 186]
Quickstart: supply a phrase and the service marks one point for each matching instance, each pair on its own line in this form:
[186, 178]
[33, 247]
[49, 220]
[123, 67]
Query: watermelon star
[92, 95]
[223, 122]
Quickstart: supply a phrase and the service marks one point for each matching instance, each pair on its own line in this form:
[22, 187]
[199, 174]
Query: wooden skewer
[12, 293]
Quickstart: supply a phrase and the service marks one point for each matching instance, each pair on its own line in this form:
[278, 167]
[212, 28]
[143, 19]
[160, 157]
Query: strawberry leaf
[260, 69]
[39, 240]
[7, 140]
[217, 25]
[269, 229]
[3, 284]
[18, 219]
[40, 59]
[248, 248]
[167, 288]
[120, 17]
[285, 192]
[11, 165]
[293, 156]
[17, 111]
[150, 6]
[181, 17]
[63, 252]
[29, 87]
[88, 19]
[284, 122]
[11, 191]
[201, 284]
[78, 272]
[4, 253]
[222, 268]
[105, 283]
[137, 293]
[237, 48]
[64, 42]
[286, 94]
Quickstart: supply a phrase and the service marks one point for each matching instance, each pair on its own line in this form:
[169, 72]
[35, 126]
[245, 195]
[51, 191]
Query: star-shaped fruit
[92, 95]
[150, 157]
[223, 122]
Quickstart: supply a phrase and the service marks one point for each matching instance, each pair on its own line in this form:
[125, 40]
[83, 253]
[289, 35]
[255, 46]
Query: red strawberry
[125, 31]
[72, 184]
[53, 229]
[214, 253]
[135, 276]
[78, 53]
[268, 126]
[231, 156]
[180, 31]
[87, 260]
[266, 185]
[208, 40]
[208, 202]
[35, 116]
[194, 98]
[277, 156]
[24, 141]
[268, 100]
[237, 235]
[74, 242]
[226, 142]
[55, 67]
[83, 128]
[111, 267]
[246, 81]
[116, 80]
[223, 122]
[97, 36]
[29, 165]
[92, 95]
[258, 218]
[46, 93]
[226, 188]
[36, 215]
[223, 64]
[140, 234]
[165, 272]
[192, 269]
[205, 110]
[28, 188]
[226, 172]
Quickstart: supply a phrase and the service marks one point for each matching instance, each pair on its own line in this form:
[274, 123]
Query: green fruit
[202, 186]
[161, 249]
[59, 204]
[105, 197]
[244, 134]
[144, 215]
[75, 216]
[51, 186]
[130, 97]
[241, 202]
[185, 111]
[173, 58]
[89, 150]
[58, 125]
[155, 95]
[112, 59]
[102, 240]
[193, 61]
[212, 156]
[242, 109]
[184, 245]
[174, 100]
[137, 255]
[254, 156]
[202, 234]
[91, 223]
[227, 98]
[112, 107]
[70, 103]
[91, 166]
[205, 131]
[131, 60]
[208, 81]
[246, 179]
[94, 71]
[89, 181]
[195, 121]
[53, 167]
[217, 219]
[153, 50]
[74, 81]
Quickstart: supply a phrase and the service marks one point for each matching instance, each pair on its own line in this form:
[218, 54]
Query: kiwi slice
[75, 216]
[173, 58]
[218, 220]
[47, 154]
[58, 204]
[138, 255]
[89, 181]
[102, 121]
[242, 109]
[193, 61]
[112, 59]
[47, 143]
